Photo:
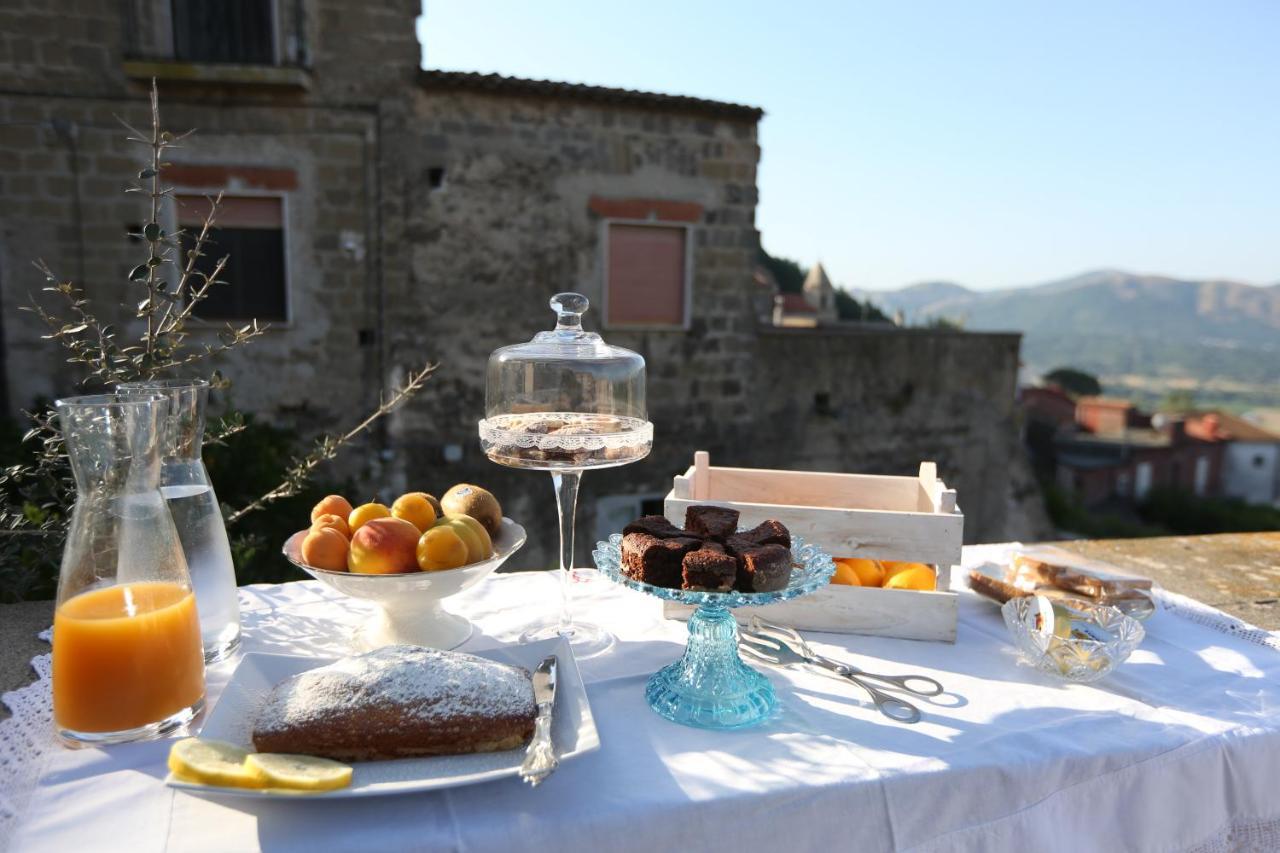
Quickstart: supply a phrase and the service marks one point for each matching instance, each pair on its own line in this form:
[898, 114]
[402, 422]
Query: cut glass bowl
[1074, 658]
[710, 687]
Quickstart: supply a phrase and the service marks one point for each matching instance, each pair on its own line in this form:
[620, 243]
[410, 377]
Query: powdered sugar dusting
[423, 684]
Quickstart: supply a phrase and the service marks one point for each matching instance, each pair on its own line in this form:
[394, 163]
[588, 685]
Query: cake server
[540, 757]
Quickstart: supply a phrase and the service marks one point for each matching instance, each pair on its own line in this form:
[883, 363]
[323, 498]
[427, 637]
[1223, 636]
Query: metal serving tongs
[781, 646]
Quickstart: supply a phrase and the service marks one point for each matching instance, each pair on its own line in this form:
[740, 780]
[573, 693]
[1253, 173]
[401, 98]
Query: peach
[441, 548]
[331, 505]
[415, 509]
[845, 574]
[384, 546]
[335, 522]
[868, 572]
[325, 548]
[366, 513]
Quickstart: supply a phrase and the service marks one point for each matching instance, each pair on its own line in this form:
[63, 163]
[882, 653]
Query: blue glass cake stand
[710, 687]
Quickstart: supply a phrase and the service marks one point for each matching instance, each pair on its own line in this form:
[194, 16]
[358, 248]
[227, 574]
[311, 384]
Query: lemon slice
[213, 762]
[299, 772]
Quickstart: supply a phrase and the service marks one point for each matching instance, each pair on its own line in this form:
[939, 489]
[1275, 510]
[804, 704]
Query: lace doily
[1203, 614]
[25, 741]
[1260, 836]
[568, 431]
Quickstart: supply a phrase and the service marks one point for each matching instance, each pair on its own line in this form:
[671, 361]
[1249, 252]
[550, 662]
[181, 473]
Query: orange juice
[126, 656]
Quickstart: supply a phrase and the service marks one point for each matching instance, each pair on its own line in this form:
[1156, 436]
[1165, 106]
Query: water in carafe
[192, 502]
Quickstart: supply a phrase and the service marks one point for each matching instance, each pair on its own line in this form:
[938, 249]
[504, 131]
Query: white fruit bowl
[409, 608]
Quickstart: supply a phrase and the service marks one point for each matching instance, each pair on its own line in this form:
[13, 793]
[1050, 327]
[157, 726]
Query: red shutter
[646, 275]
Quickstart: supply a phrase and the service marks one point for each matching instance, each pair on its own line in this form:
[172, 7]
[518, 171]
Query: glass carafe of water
[184, 482]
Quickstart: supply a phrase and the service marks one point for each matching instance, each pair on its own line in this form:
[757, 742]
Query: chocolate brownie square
[711, 522]
[655, 561]
[709, 570]
[736, 546]
[764, 569]
[768, 532]
[654, 525]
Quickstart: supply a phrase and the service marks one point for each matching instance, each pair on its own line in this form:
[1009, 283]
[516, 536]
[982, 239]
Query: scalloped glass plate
[811, 569]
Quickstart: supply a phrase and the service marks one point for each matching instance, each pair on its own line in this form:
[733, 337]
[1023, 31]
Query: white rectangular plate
[573, 728]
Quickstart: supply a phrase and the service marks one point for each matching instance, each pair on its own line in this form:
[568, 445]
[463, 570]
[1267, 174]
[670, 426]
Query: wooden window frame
[169, 217]
[687, 308]
[171, 46]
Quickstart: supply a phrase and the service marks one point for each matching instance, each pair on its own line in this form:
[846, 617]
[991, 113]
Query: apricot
[325, 548]
[472, 534]
[869, 572]
[366, 513]
[331, 505]
[916, 576]
[334, 522]
[383, 546]
[894, 567]
[415, 509]
[441, 548]
[845, 574]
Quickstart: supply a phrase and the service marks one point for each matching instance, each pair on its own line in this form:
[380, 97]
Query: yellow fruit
[213, 762]
[472, 532]
[299, 772]
[365, 513]
[331, 505]
[916, 576]
[893, 567]
[845, 574]
[325, 548]
[415, 509]
[334, 522]
[384, 546]
[869, 572]
[441, 548]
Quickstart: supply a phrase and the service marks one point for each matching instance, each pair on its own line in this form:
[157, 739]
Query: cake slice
[709, 569]
[654, 525]
[655, 561]
[768, 532]
[711, 522]
[766, 568]
[398, 701]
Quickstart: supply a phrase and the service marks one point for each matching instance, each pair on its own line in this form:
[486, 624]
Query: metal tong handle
[891, 706]
[931, 687]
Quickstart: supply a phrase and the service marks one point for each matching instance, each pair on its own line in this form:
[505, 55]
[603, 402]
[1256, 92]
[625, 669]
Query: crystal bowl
[710, 687]
[1074, 658]
[408, 603]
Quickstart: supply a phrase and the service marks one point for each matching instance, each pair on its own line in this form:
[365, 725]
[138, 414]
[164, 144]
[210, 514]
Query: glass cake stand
[710, 687]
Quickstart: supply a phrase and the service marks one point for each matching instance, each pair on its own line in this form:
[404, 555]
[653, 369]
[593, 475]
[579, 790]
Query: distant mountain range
[1143, 335]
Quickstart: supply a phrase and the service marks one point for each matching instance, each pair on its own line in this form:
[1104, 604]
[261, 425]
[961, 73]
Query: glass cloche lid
[565, 390]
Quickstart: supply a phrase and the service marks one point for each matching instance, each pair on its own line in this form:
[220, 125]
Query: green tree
[1074, 381]
[1178, 402]
[789, 274]
[849, 308]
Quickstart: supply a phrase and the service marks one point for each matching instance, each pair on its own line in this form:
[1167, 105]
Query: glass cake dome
[564, 402]
[565, 399]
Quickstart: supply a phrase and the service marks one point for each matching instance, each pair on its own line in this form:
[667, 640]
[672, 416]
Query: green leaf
[147, 173]
[138, 273]
[155, 261]
[152, 231]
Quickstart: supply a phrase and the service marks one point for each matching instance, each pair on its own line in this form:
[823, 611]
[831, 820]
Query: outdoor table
[1178, 749]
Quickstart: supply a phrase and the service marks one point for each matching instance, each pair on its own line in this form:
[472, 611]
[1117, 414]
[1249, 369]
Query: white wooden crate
[911, 519]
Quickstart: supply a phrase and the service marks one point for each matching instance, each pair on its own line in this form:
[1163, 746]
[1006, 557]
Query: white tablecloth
[1178, 749]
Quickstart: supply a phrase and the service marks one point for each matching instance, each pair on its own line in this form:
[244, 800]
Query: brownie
[736, 546]
[655, 561]
[711, 522]
[768, 532]
[764, 569]
[709, 570]
[654, 525]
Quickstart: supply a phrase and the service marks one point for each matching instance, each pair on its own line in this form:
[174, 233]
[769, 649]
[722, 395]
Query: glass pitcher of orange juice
[127, 657]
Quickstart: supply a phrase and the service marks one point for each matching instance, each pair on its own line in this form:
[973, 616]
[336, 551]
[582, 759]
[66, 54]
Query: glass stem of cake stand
[566, 485]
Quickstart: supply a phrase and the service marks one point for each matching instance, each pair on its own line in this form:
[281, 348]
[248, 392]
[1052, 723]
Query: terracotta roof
[1222, 426]
[500, 85]
[795, 303]
[1105, 402]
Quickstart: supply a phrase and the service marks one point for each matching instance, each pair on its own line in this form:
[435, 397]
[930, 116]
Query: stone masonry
[429, 216]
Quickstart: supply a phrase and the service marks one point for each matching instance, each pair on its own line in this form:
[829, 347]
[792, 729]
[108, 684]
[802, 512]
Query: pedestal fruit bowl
[409, 604]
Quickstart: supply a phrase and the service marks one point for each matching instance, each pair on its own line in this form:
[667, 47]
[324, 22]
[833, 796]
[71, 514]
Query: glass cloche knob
[569, 308]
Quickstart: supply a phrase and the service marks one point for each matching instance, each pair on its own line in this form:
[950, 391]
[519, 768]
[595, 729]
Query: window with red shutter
[646, 276]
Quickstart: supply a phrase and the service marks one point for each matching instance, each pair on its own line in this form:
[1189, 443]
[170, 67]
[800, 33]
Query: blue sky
[989, 143]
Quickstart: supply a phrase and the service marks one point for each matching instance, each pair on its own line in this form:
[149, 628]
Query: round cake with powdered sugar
[398, 701]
